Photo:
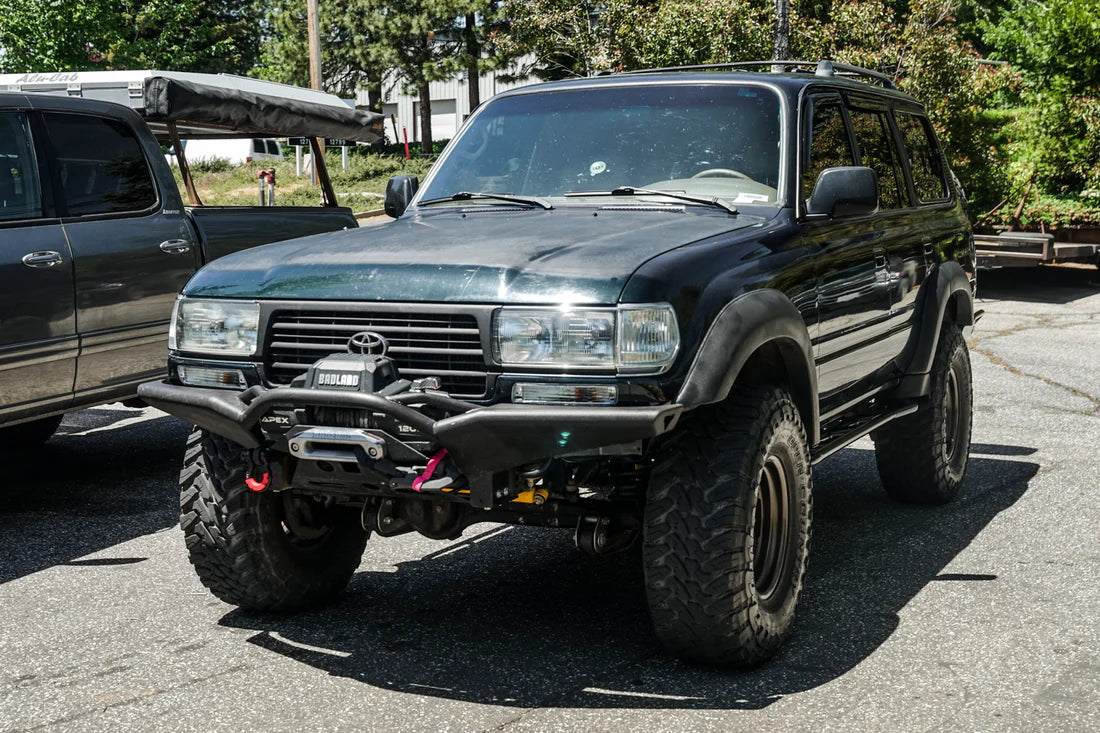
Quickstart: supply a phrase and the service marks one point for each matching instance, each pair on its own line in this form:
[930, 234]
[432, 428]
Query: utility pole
[313, 30]
[781, 45]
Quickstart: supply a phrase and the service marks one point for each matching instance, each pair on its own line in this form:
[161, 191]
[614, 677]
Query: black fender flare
[949, 284]
[744, 325]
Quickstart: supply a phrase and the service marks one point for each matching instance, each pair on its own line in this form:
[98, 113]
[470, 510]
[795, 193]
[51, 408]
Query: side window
[273, 147]
[877, 152]
[924, 159]
[102, 167]
[20, 194]
[828, 143]
[258, 146]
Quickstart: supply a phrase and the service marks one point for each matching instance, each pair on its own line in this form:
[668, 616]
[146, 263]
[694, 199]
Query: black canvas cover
[189, 103]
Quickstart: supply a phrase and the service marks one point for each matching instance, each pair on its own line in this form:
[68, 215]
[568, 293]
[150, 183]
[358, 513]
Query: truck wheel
[727, 529]
[266, 551]
[922, 457]
[28, 434]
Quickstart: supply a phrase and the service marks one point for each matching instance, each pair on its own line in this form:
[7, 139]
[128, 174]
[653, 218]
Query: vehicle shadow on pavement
[98, 482]
[1038, 284]
[517, 617]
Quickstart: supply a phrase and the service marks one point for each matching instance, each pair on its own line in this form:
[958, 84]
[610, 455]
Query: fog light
[201, 376]
[564, 394]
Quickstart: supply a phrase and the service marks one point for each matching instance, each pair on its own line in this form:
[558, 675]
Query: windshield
[711, 140]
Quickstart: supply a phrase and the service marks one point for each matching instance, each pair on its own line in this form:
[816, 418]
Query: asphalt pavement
[983, 615]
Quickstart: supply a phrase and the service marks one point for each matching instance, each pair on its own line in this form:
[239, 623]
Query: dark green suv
[641, 305]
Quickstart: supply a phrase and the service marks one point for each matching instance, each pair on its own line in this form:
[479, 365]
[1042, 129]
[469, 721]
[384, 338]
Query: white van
[237, 151]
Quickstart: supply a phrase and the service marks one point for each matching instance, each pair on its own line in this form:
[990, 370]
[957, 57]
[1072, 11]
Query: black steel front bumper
[481, 440]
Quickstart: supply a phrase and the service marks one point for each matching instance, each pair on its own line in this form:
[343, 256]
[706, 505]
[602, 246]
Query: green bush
[210, 165]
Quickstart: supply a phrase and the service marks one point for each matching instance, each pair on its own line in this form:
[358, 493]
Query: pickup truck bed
[95, 243]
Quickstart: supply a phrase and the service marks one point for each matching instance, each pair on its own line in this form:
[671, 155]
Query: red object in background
[405, 134]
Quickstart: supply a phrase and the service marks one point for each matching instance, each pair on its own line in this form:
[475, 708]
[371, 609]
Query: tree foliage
[418, 41]
[284, 56]
[38, 35]
[1055, 46]
[180, 35]
[567, 38]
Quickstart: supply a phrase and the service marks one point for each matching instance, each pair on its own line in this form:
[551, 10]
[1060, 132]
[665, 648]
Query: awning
[194, 106]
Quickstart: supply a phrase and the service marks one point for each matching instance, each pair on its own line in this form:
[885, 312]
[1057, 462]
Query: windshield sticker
[597, 168]
[750, 198]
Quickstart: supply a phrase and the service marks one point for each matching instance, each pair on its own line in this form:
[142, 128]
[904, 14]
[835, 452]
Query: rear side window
[20, 194]
[828, 144]
[924, 160]
[258, 146]
[103, 170]
[877, 152]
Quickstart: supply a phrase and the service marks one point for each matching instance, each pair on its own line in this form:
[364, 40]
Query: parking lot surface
[980, 615]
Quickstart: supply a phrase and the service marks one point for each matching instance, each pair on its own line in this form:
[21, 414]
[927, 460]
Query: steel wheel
[771, 534]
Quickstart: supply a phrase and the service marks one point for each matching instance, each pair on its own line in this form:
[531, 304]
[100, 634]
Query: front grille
[443, 345]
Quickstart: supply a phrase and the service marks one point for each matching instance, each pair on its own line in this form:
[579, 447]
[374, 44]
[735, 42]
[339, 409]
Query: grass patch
[360, 187]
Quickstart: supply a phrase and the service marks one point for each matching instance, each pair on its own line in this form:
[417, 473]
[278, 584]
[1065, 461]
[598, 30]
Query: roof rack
[825, 68]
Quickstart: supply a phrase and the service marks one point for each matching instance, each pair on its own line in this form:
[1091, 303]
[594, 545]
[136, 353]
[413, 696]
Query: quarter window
[877, 152]
[828, 145]
[924, 159]
[102, 167]
[20, 195]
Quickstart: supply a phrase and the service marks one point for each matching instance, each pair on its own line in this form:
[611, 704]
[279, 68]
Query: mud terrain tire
[727, 529]
[922, 457]
[262, 551]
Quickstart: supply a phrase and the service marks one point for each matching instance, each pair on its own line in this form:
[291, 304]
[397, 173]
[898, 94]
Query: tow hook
[256, 461]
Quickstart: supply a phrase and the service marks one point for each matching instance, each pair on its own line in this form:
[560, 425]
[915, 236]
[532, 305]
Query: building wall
[450, 103]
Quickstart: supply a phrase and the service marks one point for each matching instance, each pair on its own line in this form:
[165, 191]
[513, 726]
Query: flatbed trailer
[1031, 249]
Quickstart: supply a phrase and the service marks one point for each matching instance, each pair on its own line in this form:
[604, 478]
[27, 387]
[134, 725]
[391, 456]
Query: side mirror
[844, 191]
[399, 192]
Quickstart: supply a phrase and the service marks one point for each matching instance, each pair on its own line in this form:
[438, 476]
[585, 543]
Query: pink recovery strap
[433, 463]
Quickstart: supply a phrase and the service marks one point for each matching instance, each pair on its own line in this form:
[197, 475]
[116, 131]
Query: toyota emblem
[368, 342]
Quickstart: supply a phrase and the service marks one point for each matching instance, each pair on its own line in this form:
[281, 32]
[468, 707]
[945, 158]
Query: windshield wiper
[470, 195]
[678, 195]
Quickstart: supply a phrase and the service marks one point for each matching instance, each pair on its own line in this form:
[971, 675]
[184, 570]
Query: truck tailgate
[227, 229]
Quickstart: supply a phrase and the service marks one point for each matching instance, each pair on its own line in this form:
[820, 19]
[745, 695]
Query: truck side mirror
[844, 191]
[399, 192]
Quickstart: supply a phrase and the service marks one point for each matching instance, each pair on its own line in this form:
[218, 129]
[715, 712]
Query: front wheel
[922, 457]
[727, 529]
[267, 551]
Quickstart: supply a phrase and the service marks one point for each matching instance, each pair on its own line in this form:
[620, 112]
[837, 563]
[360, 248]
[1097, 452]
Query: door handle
[880, 258]
[175, 246]
[43, 258]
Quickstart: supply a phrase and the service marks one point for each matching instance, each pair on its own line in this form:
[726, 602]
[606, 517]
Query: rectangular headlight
[630, 338]
[215, 326]
[560, 338]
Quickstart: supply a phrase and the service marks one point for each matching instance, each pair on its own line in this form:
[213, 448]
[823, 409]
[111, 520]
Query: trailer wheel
[263, 551]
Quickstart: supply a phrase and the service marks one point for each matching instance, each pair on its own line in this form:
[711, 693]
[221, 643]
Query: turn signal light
[529, 393]
[201, 376]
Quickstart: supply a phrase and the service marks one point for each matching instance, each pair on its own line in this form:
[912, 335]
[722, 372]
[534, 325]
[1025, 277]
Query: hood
[572, 254]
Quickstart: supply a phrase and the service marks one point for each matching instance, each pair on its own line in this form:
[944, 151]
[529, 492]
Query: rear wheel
[727, 529]
[29, 434]
[922, 457]
[268, 551]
